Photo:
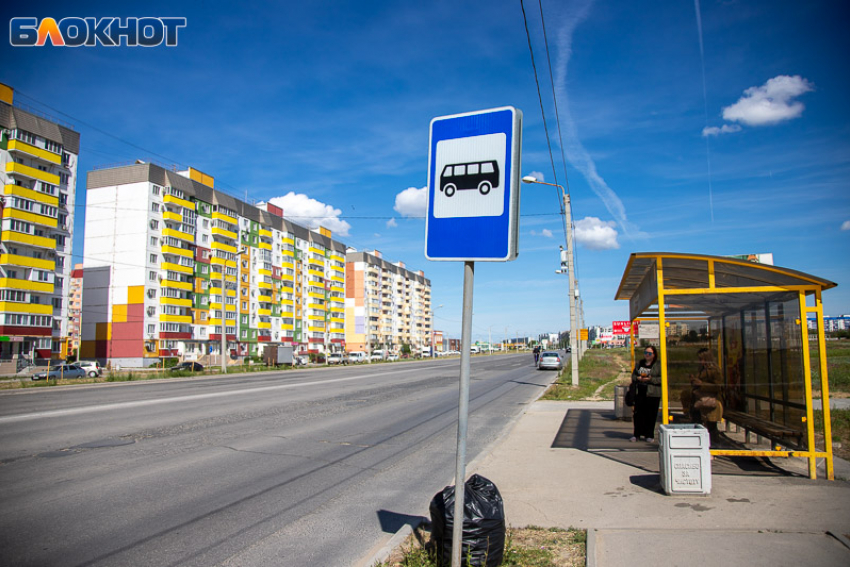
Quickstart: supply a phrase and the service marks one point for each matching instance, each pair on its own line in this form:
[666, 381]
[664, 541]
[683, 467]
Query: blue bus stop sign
[473, 186]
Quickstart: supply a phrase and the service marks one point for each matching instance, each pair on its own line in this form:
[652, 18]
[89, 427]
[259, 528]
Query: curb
[590, 548]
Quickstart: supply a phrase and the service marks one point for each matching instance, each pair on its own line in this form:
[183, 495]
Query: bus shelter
[752, 321]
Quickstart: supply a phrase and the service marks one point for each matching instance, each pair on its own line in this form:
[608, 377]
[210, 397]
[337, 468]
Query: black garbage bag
[483, 540]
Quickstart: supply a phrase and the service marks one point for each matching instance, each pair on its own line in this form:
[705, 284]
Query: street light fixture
[568, 223]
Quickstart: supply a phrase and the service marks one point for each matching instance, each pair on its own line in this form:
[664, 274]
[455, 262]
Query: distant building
[38, 173]
[386, 305]
[831, 324]
[75, 307]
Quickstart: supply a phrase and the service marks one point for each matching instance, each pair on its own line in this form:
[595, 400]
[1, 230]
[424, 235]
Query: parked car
[61, 371]
[550, 360]
[357, 356]
[392, 357]
[377, 356]
[300, 360]
[336, 358]
[91, 367]
[188, 367]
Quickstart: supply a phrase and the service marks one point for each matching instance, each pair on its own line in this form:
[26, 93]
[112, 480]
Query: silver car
[59, 372]
[550, 360]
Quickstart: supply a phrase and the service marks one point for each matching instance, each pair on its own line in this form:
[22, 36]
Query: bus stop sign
[473, 186]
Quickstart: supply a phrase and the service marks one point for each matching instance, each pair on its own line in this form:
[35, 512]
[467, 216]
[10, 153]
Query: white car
[392, 357]
[376, 357]
[357, 356]
[90, 367]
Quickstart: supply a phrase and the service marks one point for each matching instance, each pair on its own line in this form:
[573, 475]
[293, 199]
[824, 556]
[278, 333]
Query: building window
[153, 258]
[152, 276]
[154, 207]
[154, 241]
[155, 189]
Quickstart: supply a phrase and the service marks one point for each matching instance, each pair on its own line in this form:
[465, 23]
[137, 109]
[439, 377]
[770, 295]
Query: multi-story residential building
[386, 305]
[75, 307]
[38, 172]
[170, 260]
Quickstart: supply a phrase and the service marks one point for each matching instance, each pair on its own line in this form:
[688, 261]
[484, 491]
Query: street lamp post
[568, 223]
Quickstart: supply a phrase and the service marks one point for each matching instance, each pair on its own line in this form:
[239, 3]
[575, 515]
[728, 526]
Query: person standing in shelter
[647, 377]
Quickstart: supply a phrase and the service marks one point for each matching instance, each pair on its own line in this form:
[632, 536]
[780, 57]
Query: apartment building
[75, 307]
[170, 260]
[38, 171]
[386, 305]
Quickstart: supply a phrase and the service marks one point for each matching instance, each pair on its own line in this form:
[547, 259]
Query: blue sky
[329, 102]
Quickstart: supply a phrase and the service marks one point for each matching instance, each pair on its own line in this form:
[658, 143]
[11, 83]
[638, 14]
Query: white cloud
[725, 129]
[546, 232]
[845, 225]
[391, 223]
[311, 213]
[597, 234]
[412, 202]
[770, 103]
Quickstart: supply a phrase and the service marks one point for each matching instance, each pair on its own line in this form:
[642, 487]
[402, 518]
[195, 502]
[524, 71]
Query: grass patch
[597, 367]
[837, 365]
[840, 420]
[524, 547]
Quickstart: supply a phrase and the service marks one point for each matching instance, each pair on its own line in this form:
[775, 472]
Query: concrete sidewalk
[749, 519]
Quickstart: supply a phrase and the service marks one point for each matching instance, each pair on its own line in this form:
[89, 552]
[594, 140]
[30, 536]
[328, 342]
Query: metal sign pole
[463, 411]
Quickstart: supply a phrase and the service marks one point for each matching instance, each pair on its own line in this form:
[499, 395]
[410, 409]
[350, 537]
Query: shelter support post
[824, 387]
[807, 378]
[662, 343]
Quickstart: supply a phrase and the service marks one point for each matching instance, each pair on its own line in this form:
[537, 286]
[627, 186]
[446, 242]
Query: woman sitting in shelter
[702, 402]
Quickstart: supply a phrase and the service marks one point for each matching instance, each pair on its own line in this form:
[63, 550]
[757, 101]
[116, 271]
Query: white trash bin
[684, 459]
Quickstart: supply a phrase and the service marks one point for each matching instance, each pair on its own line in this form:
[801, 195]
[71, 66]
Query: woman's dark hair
[654, 352]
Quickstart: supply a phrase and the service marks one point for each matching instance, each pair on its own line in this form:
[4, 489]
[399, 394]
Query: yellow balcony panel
[178, 268]
[264, 298]
[287, 264]
[266, 312]
[229, 322]
[338, 279]
[225, 233]
[264, 285]
[339, 269]
[261, 325]
[224, 247]
[31, 173]
[29, 239]
[26, 261]
[231, 279]
[316, 329]
[187, 319]
[185, 286]
[42, 220]
[316, 273]
[287, 327]
[30, 308]
[265, 272]
[287, 240]
[215, 306]
[225, 218]
[231, 264]
[178, 201]
[317, 251]
[316, 295]
[217, 261]
[265, 233]
[316, 317]
[215, 321]
[178, 234]
[176, 301]
[286, 302]
[264, 245]
[177, 251]
[17, 146]
[31, 194]
[168, 215]
[13, 283]
[337, 309]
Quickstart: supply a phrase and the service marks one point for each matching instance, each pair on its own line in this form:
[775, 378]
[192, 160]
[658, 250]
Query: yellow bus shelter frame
[645, 267]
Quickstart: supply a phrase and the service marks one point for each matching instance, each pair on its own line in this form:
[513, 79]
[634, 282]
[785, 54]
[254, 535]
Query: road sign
[621, 327]
[473, 186]
[583, 334]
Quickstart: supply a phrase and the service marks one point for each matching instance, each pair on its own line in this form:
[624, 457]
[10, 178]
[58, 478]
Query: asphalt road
[306, 467]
